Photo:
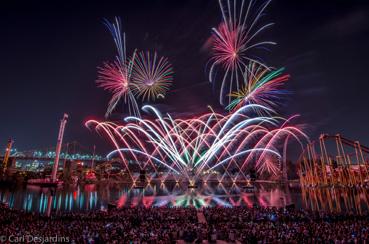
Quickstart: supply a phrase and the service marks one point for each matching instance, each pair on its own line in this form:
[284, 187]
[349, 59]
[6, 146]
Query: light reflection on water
[336, 199]
[88, 197]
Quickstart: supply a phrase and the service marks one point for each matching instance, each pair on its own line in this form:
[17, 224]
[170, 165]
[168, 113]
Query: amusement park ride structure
[54, 181]
[58, 147]
[348, 168]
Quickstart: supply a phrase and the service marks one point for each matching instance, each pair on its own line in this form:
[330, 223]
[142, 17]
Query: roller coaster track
[343, 169]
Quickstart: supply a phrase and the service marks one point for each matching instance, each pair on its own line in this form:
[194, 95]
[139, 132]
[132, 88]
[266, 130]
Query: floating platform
[249, 188]
[44, 182]
[139, 185]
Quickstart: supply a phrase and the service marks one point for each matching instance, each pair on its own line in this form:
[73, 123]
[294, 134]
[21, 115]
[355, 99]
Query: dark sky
[50, 51]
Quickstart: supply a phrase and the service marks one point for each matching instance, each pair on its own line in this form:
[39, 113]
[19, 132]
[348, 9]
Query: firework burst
[151, 76]
[191, 149]
[115, 77]
[233, 40]
[261, 86]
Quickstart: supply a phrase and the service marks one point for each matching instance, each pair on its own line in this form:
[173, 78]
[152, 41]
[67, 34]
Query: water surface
[101, 196]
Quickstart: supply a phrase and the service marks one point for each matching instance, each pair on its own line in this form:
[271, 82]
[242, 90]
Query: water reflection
[87, 197]
[336, 199]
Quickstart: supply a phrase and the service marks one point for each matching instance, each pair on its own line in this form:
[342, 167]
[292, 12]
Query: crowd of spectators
[167, 225]
[272, 225]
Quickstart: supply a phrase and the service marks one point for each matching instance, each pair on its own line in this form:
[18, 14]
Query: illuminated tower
[7, 154]
[58, 147]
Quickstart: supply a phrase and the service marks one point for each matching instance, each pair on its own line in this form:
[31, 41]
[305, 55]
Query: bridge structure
[71, 151]
[334, 160]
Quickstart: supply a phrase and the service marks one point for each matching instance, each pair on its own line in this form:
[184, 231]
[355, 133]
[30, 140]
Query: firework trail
[191, 148]
[261, 86]
[115, 77]
[233, 40]
[151, 76]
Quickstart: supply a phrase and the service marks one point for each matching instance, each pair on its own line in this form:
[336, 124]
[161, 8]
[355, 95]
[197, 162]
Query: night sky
[50, 51]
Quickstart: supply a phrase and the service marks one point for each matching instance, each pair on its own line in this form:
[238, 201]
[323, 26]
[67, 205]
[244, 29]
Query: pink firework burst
[228, 46]
[232, 43]
[115, 79]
